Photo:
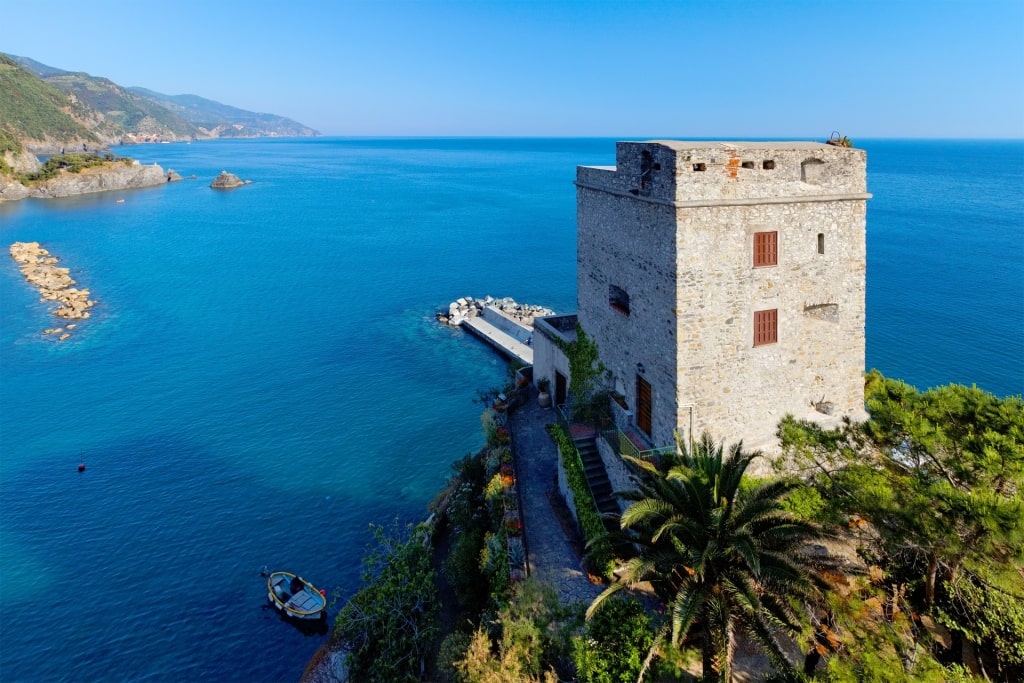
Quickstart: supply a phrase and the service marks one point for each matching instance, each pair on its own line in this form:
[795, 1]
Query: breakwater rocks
[54, 283]
[468, 307]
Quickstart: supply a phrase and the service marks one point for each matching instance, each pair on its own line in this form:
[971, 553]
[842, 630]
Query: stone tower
[724, 284]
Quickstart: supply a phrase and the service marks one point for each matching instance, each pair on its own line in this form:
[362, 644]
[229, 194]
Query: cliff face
[114, 176]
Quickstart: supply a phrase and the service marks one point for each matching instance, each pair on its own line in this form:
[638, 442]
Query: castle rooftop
[699, 173]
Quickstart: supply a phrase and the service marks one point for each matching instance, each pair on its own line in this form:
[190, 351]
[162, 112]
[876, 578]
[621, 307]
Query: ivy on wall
[600, 553]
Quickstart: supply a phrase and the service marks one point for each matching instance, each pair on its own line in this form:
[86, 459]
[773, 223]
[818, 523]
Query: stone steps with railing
[597, 478]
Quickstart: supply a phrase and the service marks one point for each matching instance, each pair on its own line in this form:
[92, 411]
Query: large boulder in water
[226, 181]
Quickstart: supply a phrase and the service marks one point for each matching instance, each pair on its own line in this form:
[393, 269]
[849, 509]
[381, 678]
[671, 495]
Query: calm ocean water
[263, 377]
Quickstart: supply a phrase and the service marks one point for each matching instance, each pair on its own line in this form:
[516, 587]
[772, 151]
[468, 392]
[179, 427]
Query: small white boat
[294, 596]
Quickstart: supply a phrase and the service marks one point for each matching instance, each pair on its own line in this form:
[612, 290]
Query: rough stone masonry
[724, 283]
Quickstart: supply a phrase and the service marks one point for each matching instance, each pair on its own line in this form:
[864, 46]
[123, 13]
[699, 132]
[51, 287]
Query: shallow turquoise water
[263, 376]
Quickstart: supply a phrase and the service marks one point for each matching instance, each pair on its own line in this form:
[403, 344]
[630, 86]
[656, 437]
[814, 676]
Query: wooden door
[643, 405]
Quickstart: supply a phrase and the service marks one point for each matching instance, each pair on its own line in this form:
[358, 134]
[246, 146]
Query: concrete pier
[504, 342]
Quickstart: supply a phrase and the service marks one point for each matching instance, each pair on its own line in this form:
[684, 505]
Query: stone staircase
[597, 479]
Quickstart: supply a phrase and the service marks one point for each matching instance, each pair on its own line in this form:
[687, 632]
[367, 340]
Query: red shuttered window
[766, 248]
[766, 327]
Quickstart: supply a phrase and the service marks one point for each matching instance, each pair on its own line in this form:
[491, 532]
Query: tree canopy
[935, 479]
[726, 559]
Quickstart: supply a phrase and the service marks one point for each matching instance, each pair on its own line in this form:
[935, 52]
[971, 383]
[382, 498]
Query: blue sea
[263, 377]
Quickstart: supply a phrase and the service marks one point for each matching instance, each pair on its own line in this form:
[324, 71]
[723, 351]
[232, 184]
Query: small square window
[768, 164]
[766, 327]
[766, 249]
[700, 167]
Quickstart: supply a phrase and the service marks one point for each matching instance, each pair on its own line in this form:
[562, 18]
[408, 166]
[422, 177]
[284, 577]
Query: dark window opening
[700, 167]
[618, 299]
[646, 168]
[747, 164]
[561, 388]
[766, 248]
[768, 164]
[766, 327]
[821, 243]
[643, 405]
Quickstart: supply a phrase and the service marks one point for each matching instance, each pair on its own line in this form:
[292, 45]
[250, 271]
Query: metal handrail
[623, 445]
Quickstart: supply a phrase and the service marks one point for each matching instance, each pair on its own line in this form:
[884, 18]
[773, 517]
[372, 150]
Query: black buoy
[81, 467]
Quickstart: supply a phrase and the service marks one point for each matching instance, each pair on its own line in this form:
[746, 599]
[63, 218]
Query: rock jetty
[467, 307]
[54, 284]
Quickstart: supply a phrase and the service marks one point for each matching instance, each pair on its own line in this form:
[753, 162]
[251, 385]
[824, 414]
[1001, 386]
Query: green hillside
[123, 111]
[208, 115]
[40, 102]
[31, 109]
[52, 107]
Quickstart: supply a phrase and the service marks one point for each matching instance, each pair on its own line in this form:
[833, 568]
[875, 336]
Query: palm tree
[724, 560]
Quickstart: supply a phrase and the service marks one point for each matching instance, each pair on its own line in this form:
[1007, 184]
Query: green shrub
[599, 547]
[528, 642]
[390, 624]
[614, 643]
[8, 143]
[72, 163]
[469, 521]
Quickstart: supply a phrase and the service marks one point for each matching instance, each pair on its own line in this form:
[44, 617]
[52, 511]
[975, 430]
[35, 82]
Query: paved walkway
[552, 544]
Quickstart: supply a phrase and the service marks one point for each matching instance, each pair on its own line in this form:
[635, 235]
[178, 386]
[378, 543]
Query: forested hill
[42, 106]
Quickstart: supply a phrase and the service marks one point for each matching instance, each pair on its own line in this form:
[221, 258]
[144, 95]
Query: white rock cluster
[54, 283]
[468, 307]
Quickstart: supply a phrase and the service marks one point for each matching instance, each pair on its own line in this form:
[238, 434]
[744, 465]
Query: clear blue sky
[728, 68]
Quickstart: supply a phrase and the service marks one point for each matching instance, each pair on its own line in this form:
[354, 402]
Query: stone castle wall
[674, 233]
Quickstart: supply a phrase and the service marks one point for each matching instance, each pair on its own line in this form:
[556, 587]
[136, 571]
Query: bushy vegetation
[469, 522]
[930, 490]
[8, 143]
[614, 644]
[527, 641]
[600, 556]
[72, 163]
[587, 398]
[389, 626]
[725, 559]
[33, 109]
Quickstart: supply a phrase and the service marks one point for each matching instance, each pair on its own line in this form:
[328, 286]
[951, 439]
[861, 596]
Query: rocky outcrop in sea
[227, 181]
[54, 284]
[468, 307]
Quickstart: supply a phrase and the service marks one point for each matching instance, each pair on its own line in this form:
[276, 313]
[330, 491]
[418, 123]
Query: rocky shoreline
[467, 307]
[114, 176]
[54, 284]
